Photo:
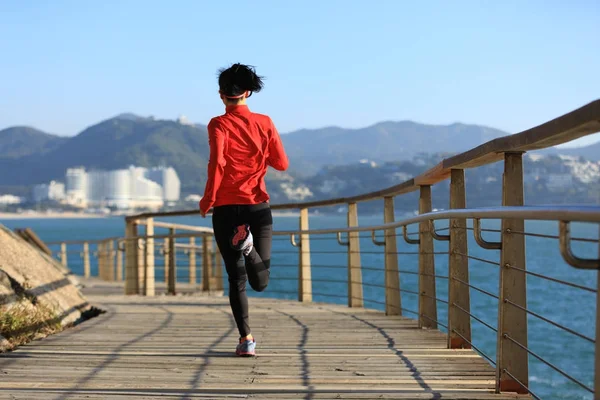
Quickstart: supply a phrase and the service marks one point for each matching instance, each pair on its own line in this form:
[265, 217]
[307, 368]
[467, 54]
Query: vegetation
[23, 322]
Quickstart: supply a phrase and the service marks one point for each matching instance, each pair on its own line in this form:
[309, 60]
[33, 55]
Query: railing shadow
[303, 355]
[115, 354]
[195, 383]
[391, 344]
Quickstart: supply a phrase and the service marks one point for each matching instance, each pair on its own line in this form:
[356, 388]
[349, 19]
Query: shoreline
[50, 215]
[76, 215]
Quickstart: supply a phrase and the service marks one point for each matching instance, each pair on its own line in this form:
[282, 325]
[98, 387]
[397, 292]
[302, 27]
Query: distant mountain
[591, 152]
[309, 150]
[20, 141]
[117, 143]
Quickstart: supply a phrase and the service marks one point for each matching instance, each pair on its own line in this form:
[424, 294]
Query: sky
[511, 64]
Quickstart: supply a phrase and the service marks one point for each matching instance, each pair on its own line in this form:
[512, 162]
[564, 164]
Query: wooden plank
[459, 321]
[513, 285]
[355, 288]
[427, 292]
[434, 175]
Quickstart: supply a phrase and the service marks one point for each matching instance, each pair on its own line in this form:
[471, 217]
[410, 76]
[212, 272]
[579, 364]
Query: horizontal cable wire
[474, 317]
[433, 320]
[508, 337]
[521, 384]
[546, 236]
[476, 288]
[475, 347]
[477, 258]
[589, 289]
[550, 321]
[434, 298]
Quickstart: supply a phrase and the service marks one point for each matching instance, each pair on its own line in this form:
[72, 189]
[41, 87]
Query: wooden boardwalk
[181, 347]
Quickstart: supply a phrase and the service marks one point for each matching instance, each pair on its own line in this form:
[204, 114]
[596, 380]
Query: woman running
[242, 145]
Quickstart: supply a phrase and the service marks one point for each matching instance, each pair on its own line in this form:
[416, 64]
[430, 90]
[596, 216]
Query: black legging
[254, 267]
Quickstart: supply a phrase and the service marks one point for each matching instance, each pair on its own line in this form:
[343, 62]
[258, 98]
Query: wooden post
[149, 284]
[192, 260]
[218, 270]
[141, 250]
[459, 322]
[597, 345]
[207, 267]
[63, 254]
[355, 288]
[145, 272]
[86, 260]
[131, 255]
[100, 258]
[110, 260]
[427, 303]
[512, 322]
[120, 261]
[393, 300]
[172, 262]
[304, 274]
[167, 261]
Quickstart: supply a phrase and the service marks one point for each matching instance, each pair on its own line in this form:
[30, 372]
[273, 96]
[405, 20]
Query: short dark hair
[237, 79]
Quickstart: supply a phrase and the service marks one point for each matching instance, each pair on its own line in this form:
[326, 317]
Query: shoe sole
[240, 235]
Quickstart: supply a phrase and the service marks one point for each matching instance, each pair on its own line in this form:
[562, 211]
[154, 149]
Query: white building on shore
[134, 187]
[54, 191]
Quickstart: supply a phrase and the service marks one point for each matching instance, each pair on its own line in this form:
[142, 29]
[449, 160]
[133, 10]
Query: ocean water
[568, 306]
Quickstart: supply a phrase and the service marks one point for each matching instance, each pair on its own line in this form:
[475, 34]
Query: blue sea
[572, 307]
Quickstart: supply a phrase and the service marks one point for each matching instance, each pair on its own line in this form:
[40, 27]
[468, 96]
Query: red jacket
[242, 145]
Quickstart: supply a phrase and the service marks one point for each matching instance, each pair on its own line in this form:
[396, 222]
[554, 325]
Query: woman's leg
[258, 261]
[225, 219]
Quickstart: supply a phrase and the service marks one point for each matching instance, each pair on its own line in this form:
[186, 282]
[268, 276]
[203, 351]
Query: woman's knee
[260, 282]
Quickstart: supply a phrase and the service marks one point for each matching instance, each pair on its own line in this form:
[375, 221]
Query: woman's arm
[277, 157]
[216, 165]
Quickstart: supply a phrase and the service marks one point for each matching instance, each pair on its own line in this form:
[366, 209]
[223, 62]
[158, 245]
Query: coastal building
[169, 180]
[54, 191]
[133, 187]
[8, 199]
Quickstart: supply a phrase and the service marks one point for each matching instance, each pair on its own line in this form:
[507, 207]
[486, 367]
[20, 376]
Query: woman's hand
[203, 214]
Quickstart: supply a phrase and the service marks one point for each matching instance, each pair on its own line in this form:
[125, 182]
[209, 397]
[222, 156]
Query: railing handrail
[540, 213]
[578, 123]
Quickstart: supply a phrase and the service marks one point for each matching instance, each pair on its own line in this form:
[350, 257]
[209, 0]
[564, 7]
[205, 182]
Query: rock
[34, 280]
